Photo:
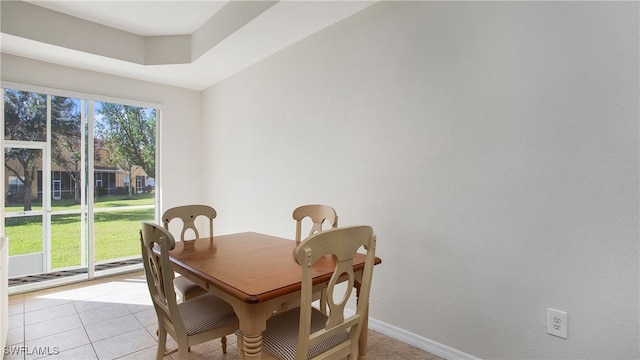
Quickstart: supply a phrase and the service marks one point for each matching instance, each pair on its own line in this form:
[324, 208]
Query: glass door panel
[56, 190]
[68, 150]
[125, 148]
[24, 222]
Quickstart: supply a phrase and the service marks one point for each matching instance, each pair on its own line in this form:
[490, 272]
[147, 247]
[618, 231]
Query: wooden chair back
[156, 243]
[318, 215]
[188, 214]
[193, 321]
[342, 244]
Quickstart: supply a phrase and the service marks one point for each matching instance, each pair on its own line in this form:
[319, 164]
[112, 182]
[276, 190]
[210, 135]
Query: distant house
[108, 180]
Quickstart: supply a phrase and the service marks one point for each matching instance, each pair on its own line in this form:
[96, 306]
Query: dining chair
[191, 322]
[318, 215]
[188, 214]
[307, 333]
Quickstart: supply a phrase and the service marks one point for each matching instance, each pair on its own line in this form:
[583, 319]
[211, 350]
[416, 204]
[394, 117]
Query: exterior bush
[100, 191]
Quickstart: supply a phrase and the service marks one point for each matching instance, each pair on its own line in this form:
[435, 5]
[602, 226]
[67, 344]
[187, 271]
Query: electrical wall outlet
[557, 323]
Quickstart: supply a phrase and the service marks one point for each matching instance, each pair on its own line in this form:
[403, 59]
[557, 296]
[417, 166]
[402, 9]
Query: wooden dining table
[257, 274]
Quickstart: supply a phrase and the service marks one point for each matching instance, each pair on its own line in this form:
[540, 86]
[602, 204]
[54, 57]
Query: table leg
[252, 323]
[252, 346]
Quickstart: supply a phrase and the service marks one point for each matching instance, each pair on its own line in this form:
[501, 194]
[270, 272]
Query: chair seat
[187, 288]
[199, 317]
[281, 339]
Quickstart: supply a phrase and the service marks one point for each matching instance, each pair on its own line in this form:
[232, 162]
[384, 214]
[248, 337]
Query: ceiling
[190, 44]
[147, 18]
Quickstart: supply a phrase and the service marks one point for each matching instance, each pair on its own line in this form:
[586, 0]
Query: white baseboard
[433, 347]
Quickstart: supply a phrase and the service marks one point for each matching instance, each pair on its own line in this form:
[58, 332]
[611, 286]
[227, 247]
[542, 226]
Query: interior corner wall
[181, 180]
[493, 147]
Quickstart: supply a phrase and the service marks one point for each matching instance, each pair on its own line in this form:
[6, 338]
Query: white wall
[180, 126]
[4, 285]
[493, 146]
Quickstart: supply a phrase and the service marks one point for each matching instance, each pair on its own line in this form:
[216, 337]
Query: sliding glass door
[79, 177]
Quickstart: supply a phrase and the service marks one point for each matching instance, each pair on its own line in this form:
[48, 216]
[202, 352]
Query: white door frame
[57, 190]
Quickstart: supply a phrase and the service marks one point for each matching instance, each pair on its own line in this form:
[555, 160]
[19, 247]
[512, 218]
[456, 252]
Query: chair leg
[162, 343]
[182, 353]
[187, 296]
[223, 340]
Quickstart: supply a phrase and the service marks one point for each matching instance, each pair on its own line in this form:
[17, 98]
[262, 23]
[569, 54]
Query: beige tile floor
[113, 318]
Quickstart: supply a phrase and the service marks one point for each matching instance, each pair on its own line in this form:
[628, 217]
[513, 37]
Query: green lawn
[116, 233]
[101, 202]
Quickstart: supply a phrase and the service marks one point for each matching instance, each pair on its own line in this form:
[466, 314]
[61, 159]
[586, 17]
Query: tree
[25, 120]
[128, 134]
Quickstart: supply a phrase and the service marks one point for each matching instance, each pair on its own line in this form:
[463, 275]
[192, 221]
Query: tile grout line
[137, 305]
[84, 328]
[141, 324]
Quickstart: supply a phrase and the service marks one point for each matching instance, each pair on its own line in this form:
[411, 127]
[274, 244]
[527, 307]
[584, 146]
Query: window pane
[24, 233]
[23, 167]
[66, 186]
[66, 148]
[25, 115]
[117, 233]
[66, 246]
[125, 143]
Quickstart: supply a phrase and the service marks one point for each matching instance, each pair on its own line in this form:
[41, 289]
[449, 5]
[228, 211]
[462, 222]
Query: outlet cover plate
[557, 323]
